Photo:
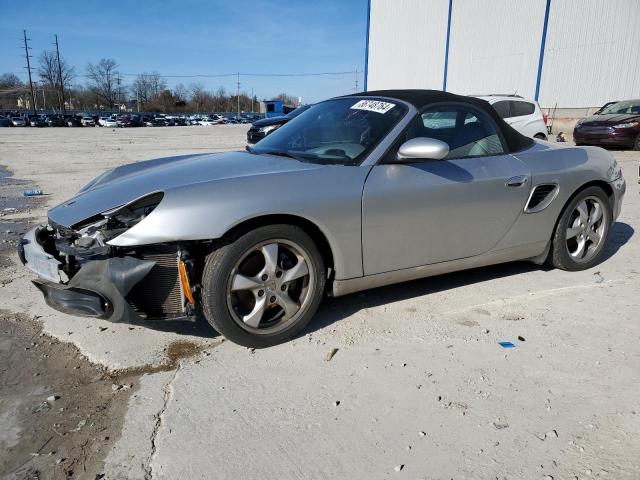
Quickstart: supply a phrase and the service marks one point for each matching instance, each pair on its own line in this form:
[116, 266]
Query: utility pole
[356, 80]
[251, 99]
[26, 53]
[62, 107]
[119, 93]
[238, 95]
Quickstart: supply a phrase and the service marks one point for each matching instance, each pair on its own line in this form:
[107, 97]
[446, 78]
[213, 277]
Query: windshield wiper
[281, 153]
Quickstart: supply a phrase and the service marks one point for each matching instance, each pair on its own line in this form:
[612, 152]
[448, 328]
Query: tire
[636, 144]
[562, 246]
[228, 309]
[540, 136]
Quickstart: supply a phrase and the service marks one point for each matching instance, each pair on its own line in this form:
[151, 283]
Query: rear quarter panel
[570, 168]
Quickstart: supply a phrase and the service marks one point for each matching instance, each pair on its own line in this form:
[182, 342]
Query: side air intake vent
[541, 197]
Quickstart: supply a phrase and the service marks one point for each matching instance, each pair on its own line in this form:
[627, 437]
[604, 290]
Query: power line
[220, 75]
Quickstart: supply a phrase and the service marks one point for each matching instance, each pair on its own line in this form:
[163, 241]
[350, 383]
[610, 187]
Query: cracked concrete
[130, 456]
[148, 467]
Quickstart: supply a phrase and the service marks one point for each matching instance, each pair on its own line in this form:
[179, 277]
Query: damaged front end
[81, 274]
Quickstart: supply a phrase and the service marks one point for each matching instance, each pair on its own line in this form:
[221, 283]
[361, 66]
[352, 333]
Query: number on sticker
[373, 106]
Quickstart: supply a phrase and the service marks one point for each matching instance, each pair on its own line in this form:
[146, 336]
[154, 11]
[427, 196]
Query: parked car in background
[212, 120]
[101, 121]
[599, 111]
[87, 122]
[523, 115]
[264, 127]
[5, 122]
[72, 121]
[19, 122]
[617, 124]
[36, 121]
[109, 122]
[358, 192]
[158, 121]
[54, 121]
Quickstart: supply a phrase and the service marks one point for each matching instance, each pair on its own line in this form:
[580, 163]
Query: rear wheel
[540, 136]
[636, 144]
[581, 232]
[264, 287]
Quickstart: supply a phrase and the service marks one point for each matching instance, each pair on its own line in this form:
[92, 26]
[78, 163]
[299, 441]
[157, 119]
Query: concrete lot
[419, 387]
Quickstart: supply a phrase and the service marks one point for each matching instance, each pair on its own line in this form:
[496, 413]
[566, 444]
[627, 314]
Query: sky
[199, 37]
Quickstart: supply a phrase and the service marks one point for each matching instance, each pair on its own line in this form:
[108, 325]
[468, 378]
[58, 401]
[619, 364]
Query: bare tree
[48, 73]
[104, 81]
[198, 96]
[287, 99]
[181, 93]
[147, 87]
[11, 87]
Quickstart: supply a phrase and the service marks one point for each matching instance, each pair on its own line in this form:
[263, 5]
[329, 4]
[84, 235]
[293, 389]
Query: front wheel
[582, 231]
[264, 287]
[636, 144]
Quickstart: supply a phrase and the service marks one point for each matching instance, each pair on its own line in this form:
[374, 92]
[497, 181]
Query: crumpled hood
[124, 184]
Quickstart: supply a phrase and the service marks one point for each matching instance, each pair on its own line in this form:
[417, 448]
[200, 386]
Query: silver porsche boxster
[357, 192]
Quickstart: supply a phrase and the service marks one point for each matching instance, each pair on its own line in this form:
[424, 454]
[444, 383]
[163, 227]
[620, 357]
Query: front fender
[329, 197]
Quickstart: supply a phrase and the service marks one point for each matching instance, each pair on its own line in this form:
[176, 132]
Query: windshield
[297, 111]
[340, 131]
[630, 106]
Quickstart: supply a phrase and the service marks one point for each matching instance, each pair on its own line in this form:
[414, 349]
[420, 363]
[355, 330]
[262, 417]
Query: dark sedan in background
[264, 127]
[617, 124]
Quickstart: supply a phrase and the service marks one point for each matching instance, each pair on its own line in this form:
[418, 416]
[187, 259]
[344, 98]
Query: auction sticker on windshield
[373, 106]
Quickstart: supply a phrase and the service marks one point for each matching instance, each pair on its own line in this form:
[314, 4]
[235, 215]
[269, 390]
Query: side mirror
[423, 148]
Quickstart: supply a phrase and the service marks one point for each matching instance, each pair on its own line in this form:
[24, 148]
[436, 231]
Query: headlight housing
[131, 214]
[626, 125]
[269, 128]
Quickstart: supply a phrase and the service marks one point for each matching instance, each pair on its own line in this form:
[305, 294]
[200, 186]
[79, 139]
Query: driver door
[433, 211]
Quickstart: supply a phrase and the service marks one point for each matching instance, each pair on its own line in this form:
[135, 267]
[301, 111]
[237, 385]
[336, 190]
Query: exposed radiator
[158, 295]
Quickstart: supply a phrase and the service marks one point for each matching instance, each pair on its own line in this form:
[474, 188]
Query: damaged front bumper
[128, 287]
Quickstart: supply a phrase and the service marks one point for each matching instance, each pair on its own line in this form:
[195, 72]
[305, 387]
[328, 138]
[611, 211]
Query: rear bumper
[619, 189]
[102, 288]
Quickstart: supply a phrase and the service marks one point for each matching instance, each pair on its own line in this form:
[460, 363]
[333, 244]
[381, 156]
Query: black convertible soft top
[422, 98]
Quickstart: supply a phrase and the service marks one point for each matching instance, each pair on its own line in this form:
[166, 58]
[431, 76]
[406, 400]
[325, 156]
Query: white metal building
[573, 53]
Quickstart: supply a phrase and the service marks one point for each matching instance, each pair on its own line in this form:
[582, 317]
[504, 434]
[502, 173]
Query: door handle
[517, 181]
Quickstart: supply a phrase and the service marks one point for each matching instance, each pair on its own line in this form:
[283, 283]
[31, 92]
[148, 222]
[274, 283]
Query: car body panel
[467, 199]
[568, 167]
[206, 187]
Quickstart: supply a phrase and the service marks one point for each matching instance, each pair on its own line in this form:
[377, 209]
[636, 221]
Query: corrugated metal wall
[406, 43]
[592, 52]
[494, 46]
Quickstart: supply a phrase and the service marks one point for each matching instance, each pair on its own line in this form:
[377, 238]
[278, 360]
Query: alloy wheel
[270, 286]
[586, 229]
